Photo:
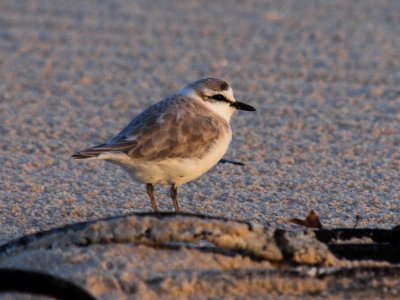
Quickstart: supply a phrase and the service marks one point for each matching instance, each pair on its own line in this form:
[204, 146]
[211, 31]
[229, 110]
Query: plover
[175, 140]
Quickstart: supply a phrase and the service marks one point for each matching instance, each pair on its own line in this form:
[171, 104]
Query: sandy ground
[323, 75]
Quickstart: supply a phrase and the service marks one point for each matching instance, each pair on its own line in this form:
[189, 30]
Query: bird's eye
[219, 97]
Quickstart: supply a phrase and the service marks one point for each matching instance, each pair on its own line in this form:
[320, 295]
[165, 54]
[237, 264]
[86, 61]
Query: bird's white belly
[170, 171]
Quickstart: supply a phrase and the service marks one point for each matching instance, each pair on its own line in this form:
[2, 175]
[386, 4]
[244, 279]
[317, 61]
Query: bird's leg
[174, 193]
[150, 192]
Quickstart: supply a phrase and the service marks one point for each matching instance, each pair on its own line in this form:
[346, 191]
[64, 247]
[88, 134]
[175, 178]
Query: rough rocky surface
[188, 256]
[256, 241]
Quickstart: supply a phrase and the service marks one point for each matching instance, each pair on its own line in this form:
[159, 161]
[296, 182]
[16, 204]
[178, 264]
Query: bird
[175, 140]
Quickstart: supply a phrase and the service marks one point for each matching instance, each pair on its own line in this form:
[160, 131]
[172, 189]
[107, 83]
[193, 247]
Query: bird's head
[217, 95]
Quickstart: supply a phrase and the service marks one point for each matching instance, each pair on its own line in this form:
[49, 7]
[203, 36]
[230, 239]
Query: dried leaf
[311, 221]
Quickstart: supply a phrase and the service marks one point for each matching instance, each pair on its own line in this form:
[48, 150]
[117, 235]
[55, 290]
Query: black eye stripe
[220, 97]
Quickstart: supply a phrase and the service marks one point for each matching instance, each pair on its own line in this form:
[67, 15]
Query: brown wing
[175, 127]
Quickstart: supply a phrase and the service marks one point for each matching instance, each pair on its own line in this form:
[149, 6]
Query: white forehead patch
[229, 94]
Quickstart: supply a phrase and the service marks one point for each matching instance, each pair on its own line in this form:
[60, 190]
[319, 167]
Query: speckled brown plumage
[176, 127]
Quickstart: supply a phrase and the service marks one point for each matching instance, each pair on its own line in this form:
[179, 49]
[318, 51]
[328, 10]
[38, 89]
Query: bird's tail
[92, 152]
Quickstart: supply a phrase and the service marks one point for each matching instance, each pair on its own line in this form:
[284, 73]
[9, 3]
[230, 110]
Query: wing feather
[177, 127]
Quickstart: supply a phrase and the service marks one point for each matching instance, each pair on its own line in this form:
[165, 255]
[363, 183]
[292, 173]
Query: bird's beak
[242, 106]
